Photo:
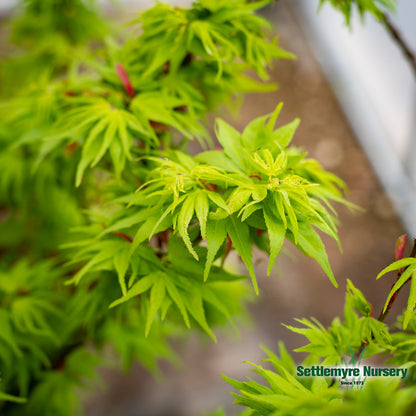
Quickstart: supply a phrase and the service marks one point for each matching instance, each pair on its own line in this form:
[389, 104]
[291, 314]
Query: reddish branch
[123, 236]
[227, 250]
[399, 39]
[166, 67]
[69, 149]
[398, 255]
[399, 252]
[209, 186]
[119, 234]
[158, 126]
[181, 108]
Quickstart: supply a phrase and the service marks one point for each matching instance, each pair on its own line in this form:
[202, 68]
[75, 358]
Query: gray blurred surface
[377, 90]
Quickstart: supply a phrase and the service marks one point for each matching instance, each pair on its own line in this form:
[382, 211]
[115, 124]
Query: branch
[383, 315]
[398, 38]
[398, 254]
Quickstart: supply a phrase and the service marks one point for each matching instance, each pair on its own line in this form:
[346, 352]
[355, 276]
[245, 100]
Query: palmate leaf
[102, 128]
[277, 231]
[285, 394]
[131, 343]
[111, 252]
[411, 302]
[255, 182]
[190, 298]
[176, 284]
[13, 167]
[328, 344]
[292, 195]
[225, 197]
[30, 310]
[215, 32]
[216, 235]
[282, 393]
[217, 231]
[199, 55]
[178, 208]
[372, 328]
[55, 391]
[323, 343]
[404, 344]
[184, 218]
[311, 245]
[30, 316]
[201, 210]
[239, 234]
[230, 140]
[408, 267]
[162, 107]
[355, 299]
[99, 119]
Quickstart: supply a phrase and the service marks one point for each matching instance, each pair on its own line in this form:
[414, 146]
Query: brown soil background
[302, 290]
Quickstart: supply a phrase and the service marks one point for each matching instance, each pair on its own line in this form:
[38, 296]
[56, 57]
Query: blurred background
[355, 95]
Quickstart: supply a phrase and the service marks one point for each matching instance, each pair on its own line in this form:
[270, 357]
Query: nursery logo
[353, 375]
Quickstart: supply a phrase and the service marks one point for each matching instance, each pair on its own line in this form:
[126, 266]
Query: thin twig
[399, 39]
[227, 251]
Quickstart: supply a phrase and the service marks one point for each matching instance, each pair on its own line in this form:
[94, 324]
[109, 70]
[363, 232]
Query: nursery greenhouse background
[356, 96]
[376, 88]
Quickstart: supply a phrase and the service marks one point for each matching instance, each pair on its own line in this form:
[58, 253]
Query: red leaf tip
[125, 80]
[400, 246]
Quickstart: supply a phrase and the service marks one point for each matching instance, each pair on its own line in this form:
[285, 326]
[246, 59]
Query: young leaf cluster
[375, 7]
[404, 344]
[286, 393]
[255, 183]
[218, 32]
[171, 289]
[355, 331]
[158, 86]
